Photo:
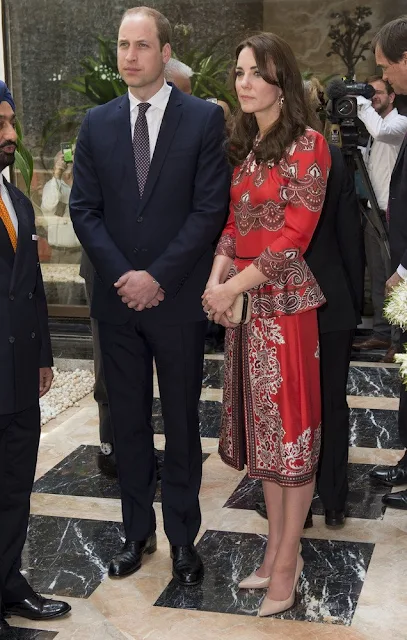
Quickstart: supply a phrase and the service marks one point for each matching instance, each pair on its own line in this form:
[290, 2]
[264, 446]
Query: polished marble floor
[352, 587]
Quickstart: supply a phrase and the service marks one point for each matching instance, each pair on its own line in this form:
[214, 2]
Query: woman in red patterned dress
[271, 404]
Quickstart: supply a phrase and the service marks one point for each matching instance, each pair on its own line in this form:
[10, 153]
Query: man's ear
[166, 53]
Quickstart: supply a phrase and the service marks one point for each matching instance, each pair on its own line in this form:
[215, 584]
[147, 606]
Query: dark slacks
[379, 268]
[128, 351]
[19, 440]
[99, 392]
[332, 479]
[402, 415]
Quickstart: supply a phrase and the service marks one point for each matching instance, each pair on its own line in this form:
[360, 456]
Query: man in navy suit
[25, 376]
[150, 195]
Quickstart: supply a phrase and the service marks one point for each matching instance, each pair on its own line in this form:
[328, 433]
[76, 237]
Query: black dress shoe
[36, 607]
[396, 500]
[187, 567]
[107, 464]
[128, 560]
[391, 476]
[335, 517]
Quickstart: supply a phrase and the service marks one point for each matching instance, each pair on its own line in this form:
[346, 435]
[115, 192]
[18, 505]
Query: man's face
[140, 59]
[393, 72]
[8, 135]
[382, 101]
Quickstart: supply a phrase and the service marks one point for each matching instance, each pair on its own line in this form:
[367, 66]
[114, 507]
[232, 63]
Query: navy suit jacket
[25, 343]
[397, 210]
[169, 231]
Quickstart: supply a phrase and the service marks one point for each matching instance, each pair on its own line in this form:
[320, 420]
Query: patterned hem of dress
[271, 476]
[283, 481]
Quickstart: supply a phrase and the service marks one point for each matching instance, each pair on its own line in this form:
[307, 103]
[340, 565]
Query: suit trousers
[128, 351]
[402, 415]
[19, 440]
[99, 392]
[332, 475]
[379, 269]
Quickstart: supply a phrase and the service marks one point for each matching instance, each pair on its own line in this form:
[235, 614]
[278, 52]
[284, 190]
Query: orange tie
[5, 216]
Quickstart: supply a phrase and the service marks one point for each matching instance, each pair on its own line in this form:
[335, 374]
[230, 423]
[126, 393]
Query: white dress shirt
[381, 153]
[9, 204]
[387, 135]
[154, 114]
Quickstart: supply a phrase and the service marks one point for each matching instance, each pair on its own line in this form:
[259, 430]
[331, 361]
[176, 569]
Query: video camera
[342, 110]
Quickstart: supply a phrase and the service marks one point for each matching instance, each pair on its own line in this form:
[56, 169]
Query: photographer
[387, 129]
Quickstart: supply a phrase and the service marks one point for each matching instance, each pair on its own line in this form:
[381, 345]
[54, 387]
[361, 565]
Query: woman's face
[254, 93]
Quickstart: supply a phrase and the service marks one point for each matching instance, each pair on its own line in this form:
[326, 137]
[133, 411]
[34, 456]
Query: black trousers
[99, 392]
[332, 478]
[402, 416]
[19, 440]
[127, 353]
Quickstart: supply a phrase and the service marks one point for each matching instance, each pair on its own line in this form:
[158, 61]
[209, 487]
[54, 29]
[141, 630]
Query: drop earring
[281, 101]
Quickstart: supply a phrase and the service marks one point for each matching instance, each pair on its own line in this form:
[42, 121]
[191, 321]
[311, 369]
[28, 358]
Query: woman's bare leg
[273, 496]
[296, 502]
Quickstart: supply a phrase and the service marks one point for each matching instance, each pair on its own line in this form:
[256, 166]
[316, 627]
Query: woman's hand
[217, 300]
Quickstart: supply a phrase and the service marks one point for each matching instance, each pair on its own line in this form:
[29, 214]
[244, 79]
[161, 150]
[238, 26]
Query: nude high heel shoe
[271, 607]
[254, 581]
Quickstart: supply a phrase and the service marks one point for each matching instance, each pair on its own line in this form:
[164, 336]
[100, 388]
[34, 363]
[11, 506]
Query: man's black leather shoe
[187, 567]
[107, 464]
[36, 607]
[396, 500]
[391, 476]
[335, 518]
[128, 560]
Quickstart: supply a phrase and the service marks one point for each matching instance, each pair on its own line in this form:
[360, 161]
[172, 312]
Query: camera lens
[345, 107]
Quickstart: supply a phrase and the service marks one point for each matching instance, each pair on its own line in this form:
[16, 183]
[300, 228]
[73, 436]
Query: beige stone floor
[123, 609]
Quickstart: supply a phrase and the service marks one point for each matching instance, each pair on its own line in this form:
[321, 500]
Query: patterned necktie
[5, 217]
[141, 146]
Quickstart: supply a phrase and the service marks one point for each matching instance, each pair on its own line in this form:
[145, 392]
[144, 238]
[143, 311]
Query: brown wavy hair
[295, 114]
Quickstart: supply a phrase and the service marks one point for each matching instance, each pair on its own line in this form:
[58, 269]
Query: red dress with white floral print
[271, 401]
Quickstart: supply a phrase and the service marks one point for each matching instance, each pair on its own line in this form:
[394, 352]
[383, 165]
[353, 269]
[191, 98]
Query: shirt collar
[159, 100]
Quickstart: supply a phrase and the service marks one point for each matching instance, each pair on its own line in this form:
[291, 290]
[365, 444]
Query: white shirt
[381, 153]
[9, 204]
[154, 114]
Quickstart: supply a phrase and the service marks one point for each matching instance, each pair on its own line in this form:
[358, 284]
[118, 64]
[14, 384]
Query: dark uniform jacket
[25, 343]
[336, 255]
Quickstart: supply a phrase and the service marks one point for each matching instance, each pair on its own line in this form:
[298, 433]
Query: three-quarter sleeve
[304, 175]
[227, 242]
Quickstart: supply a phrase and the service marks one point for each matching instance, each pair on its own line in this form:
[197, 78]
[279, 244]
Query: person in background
[65, 246]
[271, 401]
[179, 74]
[390, 47]
[386, 128]
[26, 376]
